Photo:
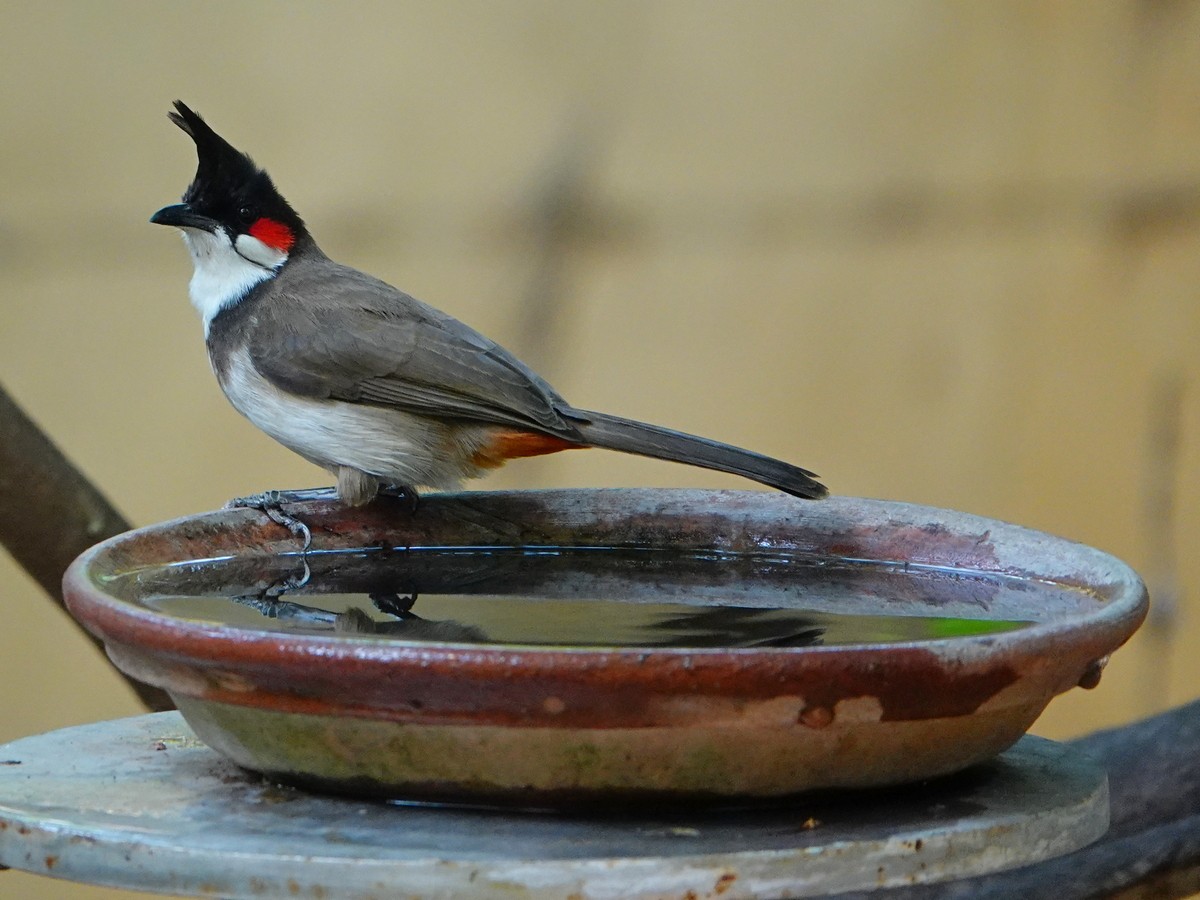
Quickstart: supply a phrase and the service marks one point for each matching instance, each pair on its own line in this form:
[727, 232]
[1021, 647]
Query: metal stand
[139, 803]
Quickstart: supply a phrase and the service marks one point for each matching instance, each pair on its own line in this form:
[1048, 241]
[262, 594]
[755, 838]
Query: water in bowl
[592, 597]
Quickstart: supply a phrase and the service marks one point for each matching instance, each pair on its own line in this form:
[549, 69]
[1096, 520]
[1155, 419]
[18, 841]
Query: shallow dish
[464, 721]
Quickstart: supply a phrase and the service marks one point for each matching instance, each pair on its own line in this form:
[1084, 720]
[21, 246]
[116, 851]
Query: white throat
[226, 270]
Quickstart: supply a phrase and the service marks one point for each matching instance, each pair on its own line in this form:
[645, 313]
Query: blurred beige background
[939, 252]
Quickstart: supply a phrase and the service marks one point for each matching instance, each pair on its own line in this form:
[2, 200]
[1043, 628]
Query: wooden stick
[50, 513]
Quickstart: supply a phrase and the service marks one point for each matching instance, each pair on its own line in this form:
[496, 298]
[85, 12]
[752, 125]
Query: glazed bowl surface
[452, 720]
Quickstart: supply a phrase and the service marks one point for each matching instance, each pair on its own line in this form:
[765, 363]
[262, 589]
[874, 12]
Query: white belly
[396, 446]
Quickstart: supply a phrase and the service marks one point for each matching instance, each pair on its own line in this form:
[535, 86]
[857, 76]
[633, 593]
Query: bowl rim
[1124, 596]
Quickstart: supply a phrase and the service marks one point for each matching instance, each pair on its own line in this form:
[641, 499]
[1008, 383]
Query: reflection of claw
[268, 603]
[265, 605]
[392, 604]
[292, 583]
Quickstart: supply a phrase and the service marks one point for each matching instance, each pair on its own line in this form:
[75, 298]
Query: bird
[385, 392]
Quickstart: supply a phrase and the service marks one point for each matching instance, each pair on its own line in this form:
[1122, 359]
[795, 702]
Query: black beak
[181, 216]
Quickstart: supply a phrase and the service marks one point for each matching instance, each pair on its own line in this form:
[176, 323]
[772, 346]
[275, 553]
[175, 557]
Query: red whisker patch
[274, 234]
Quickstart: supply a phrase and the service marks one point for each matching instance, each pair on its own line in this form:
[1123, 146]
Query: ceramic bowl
[565, 725]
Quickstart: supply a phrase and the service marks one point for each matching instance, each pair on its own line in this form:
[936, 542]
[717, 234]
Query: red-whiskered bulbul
[364, 380]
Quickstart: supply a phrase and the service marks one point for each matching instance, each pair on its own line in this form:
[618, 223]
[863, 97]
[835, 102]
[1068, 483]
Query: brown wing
[356, 339]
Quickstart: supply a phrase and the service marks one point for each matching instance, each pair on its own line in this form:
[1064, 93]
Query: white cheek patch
[253, 249]
[222, 275]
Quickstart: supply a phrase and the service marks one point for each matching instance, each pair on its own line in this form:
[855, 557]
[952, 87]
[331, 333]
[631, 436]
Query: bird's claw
[270, 503]
[267, 601]
[404, 493]
[291, 523]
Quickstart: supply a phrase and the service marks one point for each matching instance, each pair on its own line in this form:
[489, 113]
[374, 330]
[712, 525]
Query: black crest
[227, 180]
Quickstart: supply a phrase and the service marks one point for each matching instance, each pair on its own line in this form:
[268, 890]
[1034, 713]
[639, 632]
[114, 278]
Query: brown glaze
[837, 694]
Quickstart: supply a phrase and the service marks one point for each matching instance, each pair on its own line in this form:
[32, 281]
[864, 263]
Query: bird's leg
[300, 495]
[392, 604]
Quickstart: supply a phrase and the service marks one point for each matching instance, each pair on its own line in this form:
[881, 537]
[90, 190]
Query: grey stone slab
[140, 803]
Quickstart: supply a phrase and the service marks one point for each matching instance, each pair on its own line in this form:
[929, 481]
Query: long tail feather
[628, 436]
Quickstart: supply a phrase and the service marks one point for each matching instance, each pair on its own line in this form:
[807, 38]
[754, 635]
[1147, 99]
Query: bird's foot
[394, 604]
[270, 503]
[405, 494]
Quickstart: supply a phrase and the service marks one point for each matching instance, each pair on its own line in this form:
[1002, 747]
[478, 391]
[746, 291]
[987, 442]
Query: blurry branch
[50, 513]
[1160, 511]
[557, 215]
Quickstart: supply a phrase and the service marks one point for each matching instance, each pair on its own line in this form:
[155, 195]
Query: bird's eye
[247, 214]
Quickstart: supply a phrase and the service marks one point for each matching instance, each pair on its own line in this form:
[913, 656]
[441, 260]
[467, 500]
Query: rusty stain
[51, 862]
[725, 882]
[930, 543]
